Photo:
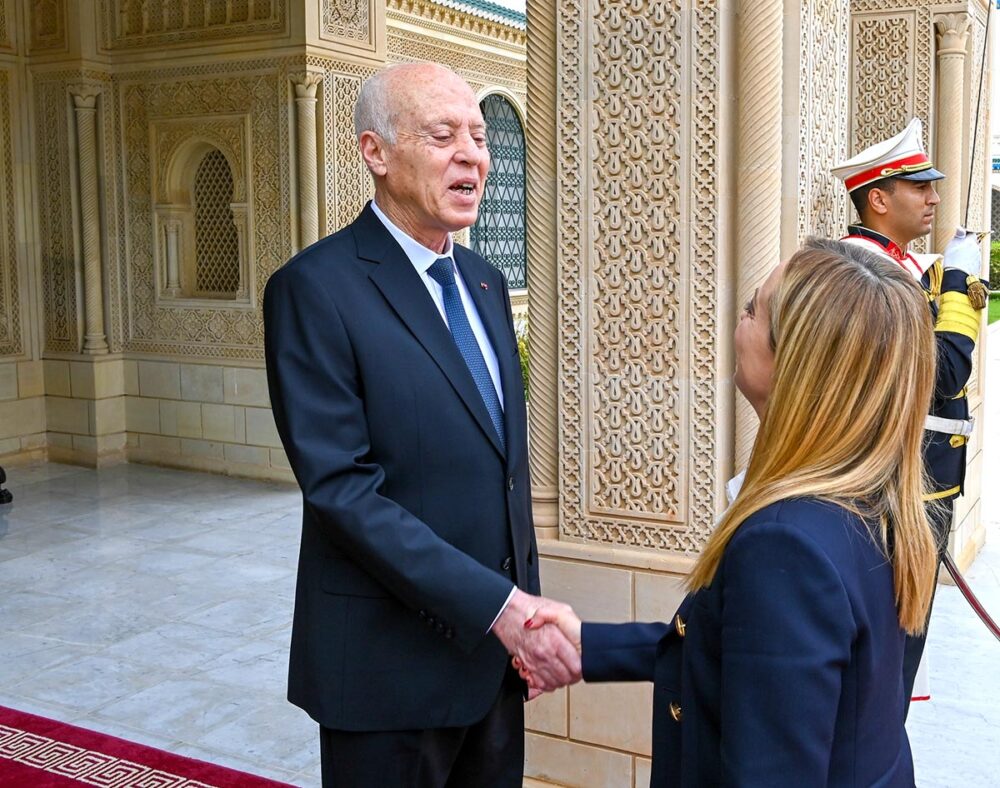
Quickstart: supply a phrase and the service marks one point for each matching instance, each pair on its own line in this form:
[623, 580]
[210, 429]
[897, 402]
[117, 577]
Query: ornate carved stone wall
[4, 27]
[47, 25]
[823, 112]
[480, 68]
[54, 168]
[214, 99]
[348, 19]
[10, 296]
[347, 183]
[892, 70]
[638, 244]
[130, 24]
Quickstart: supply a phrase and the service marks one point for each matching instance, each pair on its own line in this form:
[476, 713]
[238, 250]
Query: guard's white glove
[963, 253]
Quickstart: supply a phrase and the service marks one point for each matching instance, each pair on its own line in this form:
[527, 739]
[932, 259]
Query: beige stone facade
[680, 150]
[676, 149]
[124, 334]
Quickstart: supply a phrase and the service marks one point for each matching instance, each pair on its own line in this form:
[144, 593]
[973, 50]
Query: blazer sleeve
[319, 411]
[786, 636]
[620, 652]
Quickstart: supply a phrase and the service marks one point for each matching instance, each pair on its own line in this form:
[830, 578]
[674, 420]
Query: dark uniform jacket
[416, 524]
[956, 330]
[785, 671]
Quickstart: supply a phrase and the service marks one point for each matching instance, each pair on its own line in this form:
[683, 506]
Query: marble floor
[155, 605]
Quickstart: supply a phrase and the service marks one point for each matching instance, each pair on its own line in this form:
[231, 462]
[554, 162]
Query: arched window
[202, 219]
[216, 242]
[498, 234]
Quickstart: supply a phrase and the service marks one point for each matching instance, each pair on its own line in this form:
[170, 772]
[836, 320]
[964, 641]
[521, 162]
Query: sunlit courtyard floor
[155, 605]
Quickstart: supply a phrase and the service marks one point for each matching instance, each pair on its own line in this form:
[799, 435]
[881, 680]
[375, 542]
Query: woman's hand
[553, 614]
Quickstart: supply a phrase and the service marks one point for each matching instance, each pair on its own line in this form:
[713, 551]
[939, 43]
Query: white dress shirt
[422, 259]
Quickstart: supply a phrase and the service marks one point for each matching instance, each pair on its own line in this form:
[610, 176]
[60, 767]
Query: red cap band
[886, 170]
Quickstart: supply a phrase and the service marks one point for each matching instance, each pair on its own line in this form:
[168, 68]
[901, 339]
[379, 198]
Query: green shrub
[995, 265]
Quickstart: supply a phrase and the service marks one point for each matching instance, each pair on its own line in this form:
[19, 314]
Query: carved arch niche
[201, 211]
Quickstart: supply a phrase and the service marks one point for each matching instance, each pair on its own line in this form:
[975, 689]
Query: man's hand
[543, 654]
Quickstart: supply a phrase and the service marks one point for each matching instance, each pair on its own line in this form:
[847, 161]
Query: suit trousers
[940, 514]
[489, 753]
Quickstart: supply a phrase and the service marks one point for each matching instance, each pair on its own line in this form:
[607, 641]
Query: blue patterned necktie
[442, 273]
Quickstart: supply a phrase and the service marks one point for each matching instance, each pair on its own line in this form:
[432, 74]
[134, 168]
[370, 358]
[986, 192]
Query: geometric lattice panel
[217, 248]
[639, 171]
[498, 234]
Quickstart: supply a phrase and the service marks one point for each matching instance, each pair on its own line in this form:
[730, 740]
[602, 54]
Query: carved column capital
[306, 84]
[85, 95]
[952, 33]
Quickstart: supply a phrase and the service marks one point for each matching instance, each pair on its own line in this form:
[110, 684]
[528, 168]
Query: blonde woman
[783, 664]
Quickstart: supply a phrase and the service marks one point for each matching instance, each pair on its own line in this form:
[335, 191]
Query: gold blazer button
[679, 625]
[675, 711]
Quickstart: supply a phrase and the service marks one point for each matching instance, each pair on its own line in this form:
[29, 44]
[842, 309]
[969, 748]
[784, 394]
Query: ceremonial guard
[892, 187]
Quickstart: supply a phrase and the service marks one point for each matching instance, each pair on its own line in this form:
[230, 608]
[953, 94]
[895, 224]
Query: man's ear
[373, 151]
[877, 202]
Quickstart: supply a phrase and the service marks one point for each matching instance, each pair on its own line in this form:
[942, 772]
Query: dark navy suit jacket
[789, 671]
[415, 524]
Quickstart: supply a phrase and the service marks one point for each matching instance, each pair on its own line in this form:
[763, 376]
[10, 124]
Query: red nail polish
[527, 624]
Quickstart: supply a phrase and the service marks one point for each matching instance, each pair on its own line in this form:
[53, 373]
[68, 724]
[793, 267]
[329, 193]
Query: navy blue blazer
[786, 671]
[416, 524]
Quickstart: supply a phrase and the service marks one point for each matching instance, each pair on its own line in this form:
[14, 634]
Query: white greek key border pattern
[89, 767]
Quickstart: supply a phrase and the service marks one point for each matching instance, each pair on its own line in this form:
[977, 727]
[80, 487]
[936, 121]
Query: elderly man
[394, 377]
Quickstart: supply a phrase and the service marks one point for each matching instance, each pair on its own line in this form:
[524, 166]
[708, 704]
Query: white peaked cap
[902, 156]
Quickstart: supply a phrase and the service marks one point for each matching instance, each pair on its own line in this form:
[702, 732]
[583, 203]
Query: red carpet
[36, 752]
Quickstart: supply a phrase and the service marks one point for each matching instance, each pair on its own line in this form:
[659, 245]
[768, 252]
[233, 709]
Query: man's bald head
[389, 92]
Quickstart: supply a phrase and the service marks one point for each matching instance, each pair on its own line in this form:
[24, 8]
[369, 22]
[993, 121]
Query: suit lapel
[491, 306]
[406, 293]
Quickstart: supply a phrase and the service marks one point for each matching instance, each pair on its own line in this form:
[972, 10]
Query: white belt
[949, 426]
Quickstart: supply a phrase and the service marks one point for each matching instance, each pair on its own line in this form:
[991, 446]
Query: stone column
[85, 107]
[542, 261]
[949, 119]
[305, 137]
[758, 167]
[172, 228]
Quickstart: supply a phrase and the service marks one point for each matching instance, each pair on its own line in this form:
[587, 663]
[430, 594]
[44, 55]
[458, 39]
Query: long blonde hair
[853, 377]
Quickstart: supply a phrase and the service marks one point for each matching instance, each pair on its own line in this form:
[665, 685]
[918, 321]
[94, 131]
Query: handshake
[543, 638]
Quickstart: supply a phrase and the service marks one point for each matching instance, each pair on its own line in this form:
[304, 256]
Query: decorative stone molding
[824, 46]
[347, 182]
[4, 33]
[130, 24]
[178, 145]
[636, 393]
[438, 18]
[758, 166]
[85, 111]
[305, 156]
[952, 42]
[55, 217]
[47, 20]
[478, 68]
[348, 19]
[10, 295]
[542, 266]
[256, 92]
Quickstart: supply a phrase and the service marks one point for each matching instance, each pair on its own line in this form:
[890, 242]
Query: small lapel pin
[484, 285]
